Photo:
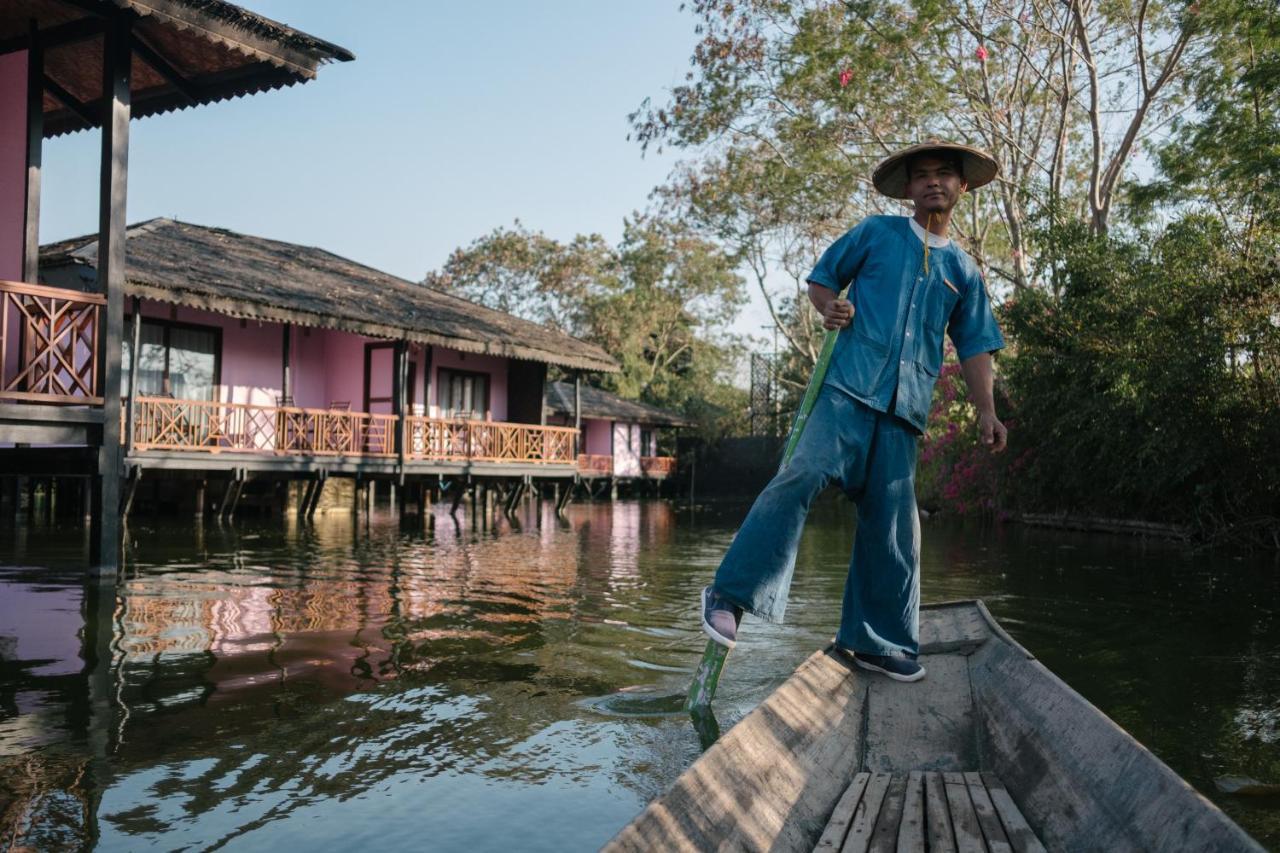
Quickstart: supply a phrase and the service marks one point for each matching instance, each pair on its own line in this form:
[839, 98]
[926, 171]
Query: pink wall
[251, 356]
[328, 366]
[13, 162]
[596, 439]
[495, 366]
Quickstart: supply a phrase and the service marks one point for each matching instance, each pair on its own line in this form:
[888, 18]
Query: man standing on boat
[907, 284]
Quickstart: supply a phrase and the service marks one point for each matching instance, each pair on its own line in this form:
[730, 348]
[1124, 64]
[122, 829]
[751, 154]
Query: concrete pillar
[201, 485]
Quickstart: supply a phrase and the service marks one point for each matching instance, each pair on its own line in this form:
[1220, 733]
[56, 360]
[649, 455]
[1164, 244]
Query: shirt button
[908, 334]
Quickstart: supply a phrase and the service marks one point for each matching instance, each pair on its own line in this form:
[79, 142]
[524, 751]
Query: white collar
[935, 242]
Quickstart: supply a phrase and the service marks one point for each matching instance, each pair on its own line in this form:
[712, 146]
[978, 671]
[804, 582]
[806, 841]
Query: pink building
[619, 436]
[67, 66]
[259, 356]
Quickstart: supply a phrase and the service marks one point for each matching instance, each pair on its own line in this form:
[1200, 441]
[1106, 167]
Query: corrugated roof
[215, 50]
[245, 276]
[597, 403]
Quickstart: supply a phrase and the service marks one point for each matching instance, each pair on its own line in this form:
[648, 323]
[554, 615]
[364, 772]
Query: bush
[1150, 387]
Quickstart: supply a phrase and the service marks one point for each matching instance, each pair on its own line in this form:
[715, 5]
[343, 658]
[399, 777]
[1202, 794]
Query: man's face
[934, 184]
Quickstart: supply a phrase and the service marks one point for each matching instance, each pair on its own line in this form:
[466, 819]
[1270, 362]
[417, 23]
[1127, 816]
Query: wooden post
[105, 528]
[286, 373]
[398, 390]
[577, 414]
[200, 489]
[35, 143]
[135, 342]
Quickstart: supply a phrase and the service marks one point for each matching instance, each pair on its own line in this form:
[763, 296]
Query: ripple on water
[337, 685]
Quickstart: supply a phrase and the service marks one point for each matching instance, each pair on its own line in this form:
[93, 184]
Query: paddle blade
[707, 678]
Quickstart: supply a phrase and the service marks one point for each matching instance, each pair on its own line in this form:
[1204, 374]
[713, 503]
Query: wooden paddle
[707, 676]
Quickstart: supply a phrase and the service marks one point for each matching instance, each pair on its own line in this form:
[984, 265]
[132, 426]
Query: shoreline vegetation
[1131, 244]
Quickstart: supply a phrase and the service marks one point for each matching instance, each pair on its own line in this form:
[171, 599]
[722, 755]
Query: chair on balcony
[338, 432]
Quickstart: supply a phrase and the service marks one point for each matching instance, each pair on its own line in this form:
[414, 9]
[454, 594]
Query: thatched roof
[253, 277]
[601, 404]
[185, 53]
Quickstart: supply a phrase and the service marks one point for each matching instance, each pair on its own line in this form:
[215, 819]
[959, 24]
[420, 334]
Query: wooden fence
[49, 344]
[487, 441]
[161, 423]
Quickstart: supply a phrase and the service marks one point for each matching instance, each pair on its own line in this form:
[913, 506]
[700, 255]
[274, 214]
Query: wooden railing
[487, 441]
[161, 423]
[52, 335]
[657, 466]
[598, 464]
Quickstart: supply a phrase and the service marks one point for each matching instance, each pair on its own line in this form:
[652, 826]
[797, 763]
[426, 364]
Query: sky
[454, 119]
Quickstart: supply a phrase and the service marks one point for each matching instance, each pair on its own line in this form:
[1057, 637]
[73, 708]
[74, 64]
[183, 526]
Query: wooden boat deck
[918, 811]
[986, 713]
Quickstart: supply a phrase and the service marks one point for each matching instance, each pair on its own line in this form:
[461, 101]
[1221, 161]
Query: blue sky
[453, 119]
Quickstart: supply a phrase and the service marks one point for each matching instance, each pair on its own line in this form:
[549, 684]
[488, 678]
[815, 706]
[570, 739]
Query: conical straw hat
[890, 177]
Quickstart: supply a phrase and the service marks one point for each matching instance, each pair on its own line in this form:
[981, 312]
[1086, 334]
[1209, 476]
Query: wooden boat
[991, 751]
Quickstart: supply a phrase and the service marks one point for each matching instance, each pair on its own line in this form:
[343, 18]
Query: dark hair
[952, 158]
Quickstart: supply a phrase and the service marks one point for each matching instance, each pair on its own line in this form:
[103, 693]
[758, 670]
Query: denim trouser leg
[874, 456]
[881, 613]
[756, 572]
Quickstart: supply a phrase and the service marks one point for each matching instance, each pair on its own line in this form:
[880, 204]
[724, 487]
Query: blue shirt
[890, 355]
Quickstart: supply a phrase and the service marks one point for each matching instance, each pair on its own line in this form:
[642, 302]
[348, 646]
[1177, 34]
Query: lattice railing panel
[49, 344]
[488, 441]
[164, 424]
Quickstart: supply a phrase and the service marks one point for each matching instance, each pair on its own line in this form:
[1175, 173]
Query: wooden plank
[838, 827]
[885, 837]
[1081, 780]
[927, 725]
[963, 819]
[937, 815]
[957, 628]
[911, 832]
[866, 814]
[992, 831]
[1021, 837]
[772, 781]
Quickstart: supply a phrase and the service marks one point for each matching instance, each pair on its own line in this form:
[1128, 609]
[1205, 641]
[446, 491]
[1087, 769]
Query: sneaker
[897, 667]
[720, 618]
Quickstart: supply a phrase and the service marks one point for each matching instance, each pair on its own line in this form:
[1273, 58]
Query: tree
[790, 103]
[661, 302]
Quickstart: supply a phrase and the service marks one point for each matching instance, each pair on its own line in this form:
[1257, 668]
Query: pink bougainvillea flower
[982, 54]
[845, 77]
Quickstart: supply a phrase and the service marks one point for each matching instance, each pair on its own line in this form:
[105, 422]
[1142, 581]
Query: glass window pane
[151, 365]
[192, 362]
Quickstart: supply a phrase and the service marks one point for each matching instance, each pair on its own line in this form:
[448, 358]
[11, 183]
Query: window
[176, 359]
[464, 394]
[647, 447]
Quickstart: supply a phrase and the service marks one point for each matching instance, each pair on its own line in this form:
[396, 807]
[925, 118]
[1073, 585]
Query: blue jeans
[873, 455]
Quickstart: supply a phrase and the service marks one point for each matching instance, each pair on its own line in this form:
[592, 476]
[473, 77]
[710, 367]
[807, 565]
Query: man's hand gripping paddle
[707, 678]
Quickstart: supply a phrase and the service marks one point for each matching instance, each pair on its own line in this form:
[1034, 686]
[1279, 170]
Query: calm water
[342, 685]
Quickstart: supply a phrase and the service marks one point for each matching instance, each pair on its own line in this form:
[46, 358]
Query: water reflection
[343, 684]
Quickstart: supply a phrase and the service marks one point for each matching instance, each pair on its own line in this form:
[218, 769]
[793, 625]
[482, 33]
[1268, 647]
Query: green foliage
[1151, 387]
[660, 302]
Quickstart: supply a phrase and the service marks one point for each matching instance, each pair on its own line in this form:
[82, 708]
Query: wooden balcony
[162, 423]
[487, 441]
[658, 466]
[595, 464]
[49, 344]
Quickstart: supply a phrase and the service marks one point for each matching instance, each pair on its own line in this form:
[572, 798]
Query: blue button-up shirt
[890, 355]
